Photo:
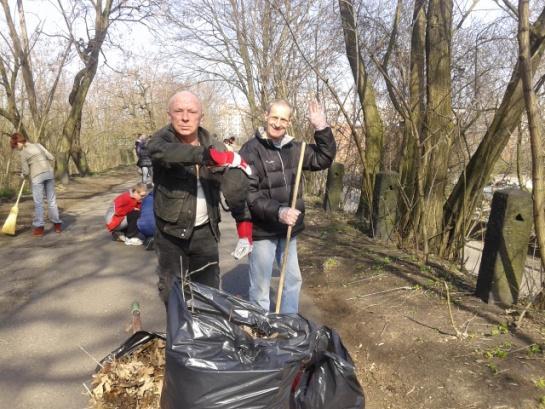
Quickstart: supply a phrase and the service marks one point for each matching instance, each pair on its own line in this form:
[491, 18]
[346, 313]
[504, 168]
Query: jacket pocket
[168, 204]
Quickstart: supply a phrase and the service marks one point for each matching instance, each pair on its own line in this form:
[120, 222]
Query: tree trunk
[374, 131]
[438, 123]
[534, 127]
[77, 153]
[463, 199]
[80, 87]
[410, 170]
[241, 32]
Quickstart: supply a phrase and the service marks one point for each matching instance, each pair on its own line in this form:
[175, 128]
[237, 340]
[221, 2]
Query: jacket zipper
[283, 171]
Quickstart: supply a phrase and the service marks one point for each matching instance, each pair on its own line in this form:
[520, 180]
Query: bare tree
[534, 124]
[248, 47]
[19, 60]
[458, 209]
[374, 131]
[101, 15]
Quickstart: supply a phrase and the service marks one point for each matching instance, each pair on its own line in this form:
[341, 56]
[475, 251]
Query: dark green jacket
[175, 182]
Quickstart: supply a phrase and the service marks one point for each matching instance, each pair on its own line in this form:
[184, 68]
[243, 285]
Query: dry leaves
[133, 381]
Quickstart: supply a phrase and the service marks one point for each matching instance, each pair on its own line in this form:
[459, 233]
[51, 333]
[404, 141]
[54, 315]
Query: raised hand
[316, 115]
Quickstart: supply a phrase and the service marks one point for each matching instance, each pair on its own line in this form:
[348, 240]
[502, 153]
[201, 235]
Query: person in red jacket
[123, 214]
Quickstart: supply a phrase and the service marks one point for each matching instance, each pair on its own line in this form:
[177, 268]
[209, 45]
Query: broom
[11, 221]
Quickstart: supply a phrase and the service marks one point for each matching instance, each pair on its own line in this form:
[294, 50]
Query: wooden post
[334, 187]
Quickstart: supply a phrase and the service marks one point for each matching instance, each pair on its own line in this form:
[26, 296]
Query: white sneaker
[134, 241]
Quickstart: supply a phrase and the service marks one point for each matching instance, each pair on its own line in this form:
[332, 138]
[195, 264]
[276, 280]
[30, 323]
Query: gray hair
[185, 94]
[279, 102]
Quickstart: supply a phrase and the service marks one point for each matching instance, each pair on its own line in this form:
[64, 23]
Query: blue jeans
[262, 258]
[39, 186]
[146, 174]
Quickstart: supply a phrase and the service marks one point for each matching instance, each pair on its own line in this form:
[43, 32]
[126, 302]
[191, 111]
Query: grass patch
[7, 193]
[330, 263]
[539, 383]
[501, 351]
[500, 329]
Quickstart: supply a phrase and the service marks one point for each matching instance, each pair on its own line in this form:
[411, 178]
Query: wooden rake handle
[288, 235]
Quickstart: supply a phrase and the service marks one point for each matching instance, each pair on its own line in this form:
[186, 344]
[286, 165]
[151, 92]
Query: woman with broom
[36, 162]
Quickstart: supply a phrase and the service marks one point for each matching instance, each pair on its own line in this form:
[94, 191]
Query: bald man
[190, 167]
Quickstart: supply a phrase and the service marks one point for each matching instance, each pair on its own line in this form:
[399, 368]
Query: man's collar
[286, 139]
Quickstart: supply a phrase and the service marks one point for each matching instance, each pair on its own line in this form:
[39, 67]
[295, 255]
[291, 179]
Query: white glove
[316, 116]
[242, 249]
[287, 215]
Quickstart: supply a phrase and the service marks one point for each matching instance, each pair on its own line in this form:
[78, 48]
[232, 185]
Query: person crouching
[122, 216]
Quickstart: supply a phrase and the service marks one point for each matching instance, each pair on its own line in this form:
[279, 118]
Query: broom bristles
[11, 222]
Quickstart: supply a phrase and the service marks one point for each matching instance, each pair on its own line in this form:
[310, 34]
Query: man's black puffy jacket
[274, 170]
[175, 183]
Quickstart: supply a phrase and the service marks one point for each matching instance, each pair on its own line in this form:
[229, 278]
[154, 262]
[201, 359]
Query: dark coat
[274, 171]
[144, 158]
[175, 182]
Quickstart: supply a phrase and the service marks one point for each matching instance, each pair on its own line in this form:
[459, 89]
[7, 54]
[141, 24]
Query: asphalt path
[74, 293]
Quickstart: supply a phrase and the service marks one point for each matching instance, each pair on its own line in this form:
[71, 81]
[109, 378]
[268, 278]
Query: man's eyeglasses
[278, 120]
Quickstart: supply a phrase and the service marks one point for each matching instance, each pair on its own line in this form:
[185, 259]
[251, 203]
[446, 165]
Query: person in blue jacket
[146, 221]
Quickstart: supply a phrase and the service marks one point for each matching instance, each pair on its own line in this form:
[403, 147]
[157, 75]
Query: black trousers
[132, 228]
[200, 250]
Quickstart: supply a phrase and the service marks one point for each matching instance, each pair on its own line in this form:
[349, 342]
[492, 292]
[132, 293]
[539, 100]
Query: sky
[139, 41]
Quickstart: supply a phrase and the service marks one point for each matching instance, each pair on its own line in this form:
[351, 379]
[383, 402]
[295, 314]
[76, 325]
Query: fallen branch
[459, 334]
[523, 313]
[365, 278]
[383, 329]
[91, 356]
[380, 292]
[428, 326]
[89, 392]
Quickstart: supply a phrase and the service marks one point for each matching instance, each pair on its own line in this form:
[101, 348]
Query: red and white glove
[230, 159]
[244, 244]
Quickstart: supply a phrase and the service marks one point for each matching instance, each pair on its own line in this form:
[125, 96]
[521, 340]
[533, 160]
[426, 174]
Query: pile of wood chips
[133, 381]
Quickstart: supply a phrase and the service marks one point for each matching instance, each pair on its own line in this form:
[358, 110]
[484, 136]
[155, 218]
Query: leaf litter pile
[133, 381]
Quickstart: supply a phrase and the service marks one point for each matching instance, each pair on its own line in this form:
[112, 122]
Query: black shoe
[117, 236]
[148, 244]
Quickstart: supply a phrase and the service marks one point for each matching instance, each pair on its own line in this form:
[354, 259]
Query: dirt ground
[392, 313]
[393, 316]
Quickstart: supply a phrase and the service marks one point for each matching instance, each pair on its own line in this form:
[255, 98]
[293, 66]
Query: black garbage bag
[329, 381]
[134, 341]
[223, 352]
